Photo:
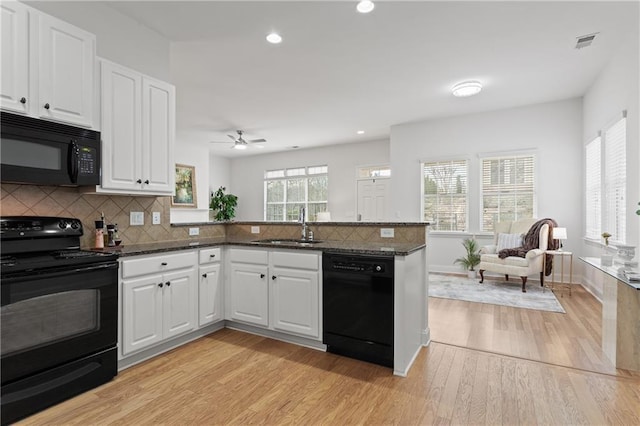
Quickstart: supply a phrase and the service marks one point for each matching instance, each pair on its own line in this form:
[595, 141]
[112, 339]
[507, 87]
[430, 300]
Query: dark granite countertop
[349, 247]
[257, 223]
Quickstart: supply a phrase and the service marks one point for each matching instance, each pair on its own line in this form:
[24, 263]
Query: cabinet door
[158, 135]
[142, 311]
[249, 293]
[121, 127]
[66, 71]
[295, 300]
[179, 302]
[15, 57]
[209, 295]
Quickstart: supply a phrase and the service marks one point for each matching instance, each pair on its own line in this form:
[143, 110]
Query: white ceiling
[338, 71]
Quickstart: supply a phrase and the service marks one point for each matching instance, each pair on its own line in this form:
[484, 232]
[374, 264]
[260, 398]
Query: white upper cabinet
[66, 72]
[47, 66]
[138, 132]
[15, 57]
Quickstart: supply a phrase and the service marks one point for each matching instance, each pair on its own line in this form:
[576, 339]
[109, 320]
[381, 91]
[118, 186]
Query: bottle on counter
[99, 242]
[110, 233]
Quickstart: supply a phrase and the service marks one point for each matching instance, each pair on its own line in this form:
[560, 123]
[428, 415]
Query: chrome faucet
[303, 221]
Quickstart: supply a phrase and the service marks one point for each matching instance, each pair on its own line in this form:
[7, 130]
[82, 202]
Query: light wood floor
[231, 377]
[573, 339]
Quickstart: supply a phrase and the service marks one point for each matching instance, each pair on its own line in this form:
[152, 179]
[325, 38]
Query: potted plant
[223, 205]
[606, 259]
[472, 259]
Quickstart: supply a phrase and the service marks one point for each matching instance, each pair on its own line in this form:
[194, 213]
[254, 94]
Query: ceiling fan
[239, 142]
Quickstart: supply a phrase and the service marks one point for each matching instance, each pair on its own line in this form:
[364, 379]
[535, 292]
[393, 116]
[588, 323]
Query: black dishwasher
[357, 295]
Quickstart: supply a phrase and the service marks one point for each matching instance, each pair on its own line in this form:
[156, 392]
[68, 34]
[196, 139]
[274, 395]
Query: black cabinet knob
[146, 182]
[273, 277]
[139, 181]
[261, 275]
[47, 106]
[160, 285]
[164, 263]
[23, 100]
[212, 255]
[204, 275]
[168, 283]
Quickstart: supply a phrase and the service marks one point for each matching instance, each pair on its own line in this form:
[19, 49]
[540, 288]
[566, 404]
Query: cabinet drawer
[159, 263]
[249, 256]
[295, 260]
[210, 255]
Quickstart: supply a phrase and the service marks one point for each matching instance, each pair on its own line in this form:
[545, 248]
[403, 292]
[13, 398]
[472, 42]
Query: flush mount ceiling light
[365, 6]
[466, 88]
[360, 132]
[239, 146]
[274, 38]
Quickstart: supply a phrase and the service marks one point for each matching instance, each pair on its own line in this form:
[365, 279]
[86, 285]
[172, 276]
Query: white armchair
[513, 265]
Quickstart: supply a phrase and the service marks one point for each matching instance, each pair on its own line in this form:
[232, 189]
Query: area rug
[495, 292]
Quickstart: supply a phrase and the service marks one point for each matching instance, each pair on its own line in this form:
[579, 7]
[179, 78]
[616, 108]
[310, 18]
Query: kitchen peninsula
[267, 250]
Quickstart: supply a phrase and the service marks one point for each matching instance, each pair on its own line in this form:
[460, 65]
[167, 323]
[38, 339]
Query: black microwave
[46, 153]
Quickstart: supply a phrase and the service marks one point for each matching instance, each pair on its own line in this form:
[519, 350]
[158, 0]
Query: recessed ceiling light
[365, 6]
[466, 88]
[274, 38]
[360, 132]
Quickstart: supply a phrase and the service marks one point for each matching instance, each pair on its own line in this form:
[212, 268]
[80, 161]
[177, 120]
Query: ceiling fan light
[239, 146]
[365, 6]
[274, 38]
[466, 88]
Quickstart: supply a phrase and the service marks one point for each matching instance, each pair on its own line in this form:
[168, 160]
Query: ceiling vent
[585, 40]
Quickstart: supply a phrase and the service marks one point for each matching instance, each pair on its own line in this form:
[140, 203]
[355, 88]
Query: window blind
[615, 177]
[508, 189]
[593, 189]
[445, 195]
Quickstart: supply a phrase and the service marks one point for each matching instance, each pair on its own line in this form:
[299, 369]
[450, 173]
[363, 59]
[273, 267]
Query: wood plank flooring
[231, 377]
[573, 339]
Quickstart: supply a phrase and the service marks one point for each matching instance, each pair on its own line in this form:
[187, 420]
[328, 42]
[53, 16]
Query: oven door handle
[59, 272]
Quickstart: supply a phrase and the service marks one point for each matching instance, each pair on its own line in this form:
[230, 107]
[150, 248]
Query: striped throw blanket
[532, 241]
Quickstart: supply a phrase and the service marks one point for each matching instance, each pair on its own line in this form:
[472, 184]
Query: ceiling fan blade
[257, 140]
[218, 142]
[233, 138]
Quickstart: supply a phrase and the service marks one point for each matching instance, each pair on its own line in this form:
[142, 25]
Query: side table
[559, 255]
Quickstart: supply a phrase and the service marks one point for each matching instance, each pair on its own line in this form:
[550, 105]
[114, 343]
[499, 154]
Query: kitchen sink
[286, 241]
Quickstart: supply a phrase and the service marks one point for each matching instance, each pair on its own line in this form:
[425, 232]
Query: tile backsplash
[36, 200]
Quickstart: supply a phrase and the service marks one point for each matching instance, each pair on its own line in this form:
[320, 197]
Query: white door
[142, 311]
[121, 127]
[180, 308]
[15, 57]
[249, 296]
[158, 135]
[67, 56]
[373, 196]
[295, 301]
[209, 295]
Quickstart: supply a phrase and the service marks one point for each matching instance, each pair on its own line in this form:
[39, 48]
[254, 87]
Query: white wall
[119, 38]
[247, 175]
[553, 130]
[616, 89]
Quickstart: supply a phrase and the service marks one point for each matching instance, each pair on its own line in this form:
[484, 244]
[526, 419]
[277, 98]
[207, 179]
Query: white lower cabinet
[159, 299]
[278, 290]
[210, 287]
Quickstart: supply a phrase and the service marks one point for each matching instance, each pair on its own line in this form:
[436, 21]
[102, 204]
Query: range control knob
[62, 224]
[75, 224]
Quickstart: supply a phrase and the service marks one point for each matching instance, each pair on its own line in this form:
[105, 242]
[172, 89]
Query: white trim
[509, 153]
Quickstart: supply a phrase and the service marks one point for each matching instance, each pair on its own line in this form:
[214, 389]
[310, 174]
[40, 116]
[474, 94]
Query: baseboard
[283, 337]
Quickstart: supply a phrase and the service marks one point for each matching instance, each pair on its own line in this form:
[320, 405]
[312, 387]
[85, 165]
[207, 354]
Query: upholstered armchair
[505, 233]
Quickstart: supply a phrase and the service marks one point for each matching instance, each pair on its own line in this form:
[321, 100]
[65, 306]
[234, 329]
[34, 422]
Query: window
[288, 190]
[445, 195]
[374, 172]
[605, 183]
[593, 189]
[508, 189]
[615, 181]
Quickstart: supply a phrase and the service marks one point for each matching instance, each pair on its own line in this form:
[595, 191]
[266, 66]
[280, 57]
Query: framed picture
[186, 195]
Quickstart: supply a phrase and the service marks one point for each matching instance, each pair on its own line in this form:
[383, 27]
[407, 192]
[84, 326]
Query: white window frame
[423, 163]
[504, 155]
[594, 189]
[305, 173]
